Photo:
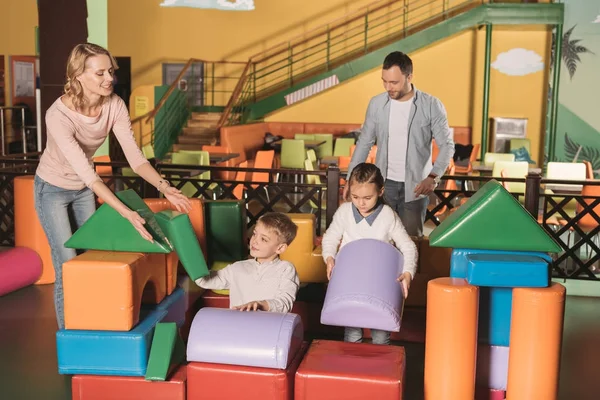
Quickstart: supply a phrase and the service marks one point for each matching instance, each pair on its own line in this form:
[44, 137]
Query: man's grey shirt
[427, 121]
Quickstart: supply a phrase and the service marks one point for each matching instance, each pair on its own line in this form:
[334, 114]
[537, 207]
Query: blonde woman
[77, 124]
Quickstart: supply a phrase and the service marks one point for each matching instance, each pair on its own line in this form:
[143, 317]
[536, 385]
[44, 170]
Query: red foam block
[19, 267]
[489, 394]
[234, 382]
[96, 387]
[338, 370]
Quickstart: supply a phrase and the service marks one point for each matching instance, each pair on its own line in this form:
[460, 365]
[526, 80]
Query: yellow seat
[490, 158]
[512, 169]
[302, 253]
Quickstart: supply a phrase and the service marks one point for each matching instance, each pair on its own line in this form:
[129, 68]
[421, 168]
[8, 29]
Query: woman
[77, 124]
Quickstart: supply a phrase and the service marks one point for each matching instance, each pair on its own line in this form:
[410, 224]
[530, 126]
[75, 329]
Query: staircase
[202, 129]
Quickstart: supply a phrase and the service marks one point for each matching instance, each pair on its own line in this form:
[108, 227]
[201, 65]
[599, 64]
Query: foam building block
[19, 267]
[28, 230]
[365, 300]
[492, 367]
[104, 290]
[171, 262]
[226, 230]
[175, 305]
[495, 304]
[107, 352]
[489, 394]
[106, 229]
[235, 382]
[508, 270]
[333, 370]
[181, 234]
[98, 387]
[167, 351]
[254, 339]
[492, 219]
[302, 252]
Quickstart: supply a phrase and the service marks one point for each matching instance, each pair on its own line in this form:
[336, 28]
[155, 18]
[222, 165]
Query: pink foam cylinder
[19, 267]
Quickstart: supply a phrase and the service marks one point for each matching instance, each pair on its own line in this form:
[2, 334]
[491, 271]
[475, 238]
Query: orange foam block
[28, 230]
[170, 261]
[103, 290]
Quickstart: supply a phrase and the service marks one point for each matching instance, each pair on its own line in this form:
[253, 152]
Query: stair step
[199, 131]
[206, 116]
[179, 146]
[196, 123]
[208, 139]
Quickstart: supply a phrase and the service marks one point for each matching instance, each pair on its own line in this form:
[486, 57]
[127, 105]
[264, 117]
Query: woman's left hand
[178, 199]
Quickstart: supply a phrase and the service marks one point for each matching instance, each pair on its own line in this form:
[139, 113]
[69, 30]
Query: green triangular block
[108, 230]
[492, 219]
[167, 351]
[180, 232]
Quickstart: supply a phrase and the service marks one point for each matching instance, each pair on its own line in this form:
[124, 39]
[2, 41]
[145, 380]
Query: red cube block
[212, 299]
[98, 387]
[234, 382]
[339, 370]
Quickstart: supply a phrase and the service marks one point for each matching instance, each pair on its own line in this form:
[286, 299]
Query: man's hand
[330, 264]
[253, 306]
[426, 187]
[405, 279]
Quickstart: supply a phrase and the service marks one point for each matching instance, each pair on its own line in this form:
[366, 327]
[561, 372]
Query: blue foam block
[175, 306]
[107, 352]
[495, 304]
[507, 270]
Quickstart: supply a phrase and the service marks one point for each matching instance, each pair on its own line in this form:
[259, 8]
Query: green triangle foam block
[180, 232]
[492, 219]
[167, 351]
[108, 230]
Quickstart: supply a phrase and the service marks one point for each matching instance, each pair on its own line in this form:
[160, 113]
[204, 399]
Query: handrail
[234, 96]
[327, 27]
[173, 85]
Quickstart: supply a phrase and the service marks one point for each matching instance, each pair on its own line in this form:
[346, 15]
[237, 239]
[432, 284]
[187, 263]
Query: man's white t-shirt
[398, 139]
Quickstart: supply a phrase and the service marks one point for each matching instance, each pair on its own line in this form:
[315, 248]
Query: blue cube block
[459, 263]
[108, 352]
[507, 270]
[175, 305]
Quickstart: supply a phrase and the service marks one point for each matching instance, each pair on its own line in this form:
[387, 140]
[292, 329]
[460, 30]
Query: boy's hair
[281, 224]
[367, 173]
[400, 60]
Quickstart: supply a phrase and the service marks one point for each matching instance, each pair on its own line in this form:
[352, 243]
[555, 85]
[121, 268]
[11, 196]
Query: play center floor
[28, 368]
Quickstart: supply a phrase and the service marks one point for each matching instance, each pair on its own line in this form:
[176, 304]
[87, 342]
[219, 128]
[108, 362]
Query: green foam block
[181, 234]
[167, 351]
[226, 230]
[492, 219]
[108, 230]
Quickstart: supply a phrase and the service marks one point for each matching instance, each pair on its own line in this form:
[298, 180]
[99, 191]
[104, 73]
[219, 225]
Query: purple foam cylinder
[253, 339]
[363, 291]
[492, 366]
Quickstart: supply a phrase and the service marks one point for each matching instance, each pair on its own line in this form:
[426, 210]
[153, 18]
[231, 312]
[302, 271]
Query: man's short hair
[400, 60]
[281, 224]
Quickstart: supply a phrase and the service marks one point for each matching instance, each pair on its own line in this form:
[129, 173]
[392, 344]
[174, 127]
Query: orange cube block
[103, 290]
[170, 261]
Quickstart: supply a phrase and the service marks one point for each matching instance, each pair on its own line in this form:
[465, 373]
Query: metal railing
[12, 130]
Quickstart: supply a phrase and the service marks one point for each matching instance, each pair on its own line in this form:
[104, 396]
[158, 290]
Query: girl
[366, 217]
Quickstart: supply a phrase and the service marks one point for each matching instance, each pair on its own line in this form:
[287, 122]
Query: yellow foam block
[218, 265]
[307, 258]
[103, 290]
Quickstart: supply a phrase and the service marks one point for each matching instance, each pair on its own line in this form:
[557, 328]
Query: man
[402, 122]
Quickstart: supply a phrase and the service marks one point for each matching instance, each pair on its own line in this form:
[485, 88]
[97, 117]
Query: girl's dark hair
[367, 173]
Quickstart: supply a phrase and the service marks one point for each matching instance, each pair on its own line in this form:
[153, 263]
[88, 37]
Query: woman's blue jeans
[58, 210]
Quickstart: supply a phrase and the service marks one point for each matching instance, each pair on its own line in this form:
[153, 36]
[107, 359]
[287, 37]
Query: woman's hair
[76, 66]
[366, 173]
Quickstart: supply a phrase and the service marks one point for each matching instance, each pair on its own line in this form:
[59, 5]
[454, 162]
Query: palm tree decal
[571, 49]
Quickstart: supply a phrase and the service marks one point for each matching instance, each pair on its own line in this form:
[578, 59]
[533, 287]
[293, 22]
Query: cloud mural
[518, 62]
[229, 5]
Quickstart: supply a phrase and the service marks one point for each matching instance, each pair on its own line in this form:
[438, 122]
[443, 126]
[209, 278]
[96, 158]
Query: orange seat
[28, 230]
[240, 176]
[104, 290]
[228, 163]
[103, 170]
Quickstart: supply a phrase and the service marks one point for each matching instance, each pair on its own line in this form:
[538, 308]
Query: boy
[263, 282]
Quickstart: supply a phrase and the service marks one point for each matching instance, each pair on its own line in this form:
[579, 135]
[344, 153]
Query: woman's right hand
[138, 223]
[330, 265]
